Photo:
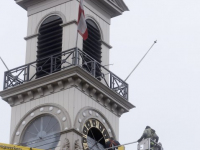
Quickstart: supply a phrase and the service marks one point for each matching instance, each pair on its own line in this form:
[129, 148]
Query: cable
[56, 135]
[121, 145]
[4, 63]
[140, 60]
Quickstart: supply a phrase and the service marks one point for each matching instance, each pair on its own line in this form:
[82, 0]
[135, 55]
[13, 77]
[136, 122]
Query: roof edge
[122, 4]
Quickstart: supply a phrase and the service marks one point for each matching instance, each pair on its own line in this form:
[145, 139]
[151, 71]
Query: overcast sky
[164, 88]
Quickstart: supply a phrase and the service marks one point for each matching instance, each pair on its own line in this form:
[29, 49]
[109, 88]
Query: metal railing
[61, 61]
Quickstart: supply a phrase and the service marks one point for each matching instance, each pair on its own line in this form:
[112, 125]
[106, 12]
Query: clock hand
[96, 143]
[92, 135]
[94, 138]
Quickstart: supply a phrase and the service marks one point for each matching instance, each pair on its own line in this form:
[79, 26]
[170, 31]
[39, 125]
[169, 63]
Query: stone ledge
[71, 77]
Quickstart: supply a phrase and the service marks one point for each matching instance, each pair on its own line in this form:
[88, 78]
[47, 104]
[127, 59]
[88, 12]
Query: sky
[165, 86]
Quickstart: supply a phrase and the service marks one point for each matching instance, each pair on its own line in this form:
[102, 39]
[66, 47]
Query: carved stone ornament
[66, 145]
[11, 101]
[77, 145]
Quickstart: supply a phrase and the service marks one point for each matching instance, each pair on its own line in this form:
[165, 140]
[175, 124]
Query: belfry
[65, 97]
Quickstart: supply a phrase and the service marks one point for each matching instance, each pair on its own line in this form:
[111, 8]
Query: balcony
[62, 61]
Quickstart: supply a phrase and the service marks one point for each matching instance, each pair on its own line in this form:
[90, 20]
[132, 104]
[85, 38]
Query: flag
[82, 26]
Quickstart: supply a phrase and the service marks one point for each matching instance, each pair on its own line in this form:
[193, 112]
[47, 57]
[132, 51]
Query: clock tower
[66, 97]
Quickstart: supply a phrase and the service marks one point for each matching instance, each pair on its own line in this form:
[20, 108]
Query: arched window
[49, 43]
[92, 46]
[42, 133]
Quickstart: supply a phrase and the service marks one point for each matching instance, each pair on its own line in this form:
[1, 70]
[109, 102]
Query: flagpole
[76, 50]
[77, 39]
[81, 28]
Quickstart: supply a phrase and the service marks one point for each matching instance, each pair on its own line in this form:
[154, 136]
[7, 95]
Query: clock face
[95, 135]
[42, 133]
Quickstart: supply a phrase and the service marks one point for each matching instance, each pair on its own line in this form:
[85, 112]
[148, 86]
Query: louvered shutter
[49, 43]
[92, 46]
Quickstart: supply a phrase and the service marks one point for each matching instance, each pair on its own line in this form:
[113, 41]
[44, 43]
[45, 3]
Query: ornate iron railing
[61, 61]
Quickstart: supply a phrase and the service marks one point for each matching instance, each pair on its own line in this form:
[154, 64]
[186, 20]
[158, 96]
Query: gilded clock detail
[94, 135]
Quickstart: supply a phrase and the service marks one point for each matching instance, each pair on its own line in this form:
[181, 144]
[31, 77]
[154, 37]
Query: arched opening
[49, 43]
[92, 47]
[95, 135]
[42, 133]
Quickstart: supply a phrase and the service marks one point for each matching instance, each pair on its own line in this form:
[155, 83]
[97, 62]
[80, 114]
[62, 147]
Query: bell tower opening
[49, 43]
[92, 47]
[64, 97]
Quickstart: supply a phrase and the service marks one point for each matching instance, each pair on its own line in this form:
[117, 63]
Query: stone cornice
[109, 7]
[71, 77]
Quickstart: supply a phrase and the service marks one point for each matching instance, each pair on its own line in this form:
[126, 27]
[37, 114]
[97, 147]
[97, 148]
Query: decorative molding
[113, 107]
[11, 101]
[40, 110]
[60, 85]
[91, 17]
[109, 7]
[77, 82]
[20, 98]
[70, 82]
[30, 95]
[31, 36]
[122, 4]
[87, 110]
[40, 92]
[66, 145]
[107, 102]
[121, 111]
[77, 145]
[43, 7]
[92, 92]
[70, 77]
[50, 88]
[99, 97]
[58, 13]
[85, 87]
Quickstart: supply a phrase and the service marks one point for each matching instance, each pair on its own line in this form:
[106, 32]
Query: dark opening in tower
[92, 47]
[49, 43]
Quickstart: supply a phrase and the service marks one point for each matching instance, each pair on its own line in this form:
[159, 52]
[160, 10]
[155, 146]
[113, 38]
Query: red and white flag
[82, 26]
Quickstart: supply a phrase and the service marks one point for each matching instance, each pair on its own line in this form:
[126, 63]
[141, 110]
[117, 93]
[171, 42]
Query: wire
[4, 63]
[141, 60]
[56, 135]
[121, 145]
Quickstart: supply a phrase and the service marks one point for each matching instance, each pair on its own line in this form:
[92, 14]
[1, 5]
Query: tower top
[112, 7]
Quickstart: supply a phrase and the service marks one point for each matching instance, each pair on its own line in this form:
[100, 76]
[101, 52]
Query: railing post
[4, 85]
[28, 71]
[51, 63]
[127, 91]
[76, 56]
[94, 68]
[111, 80]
